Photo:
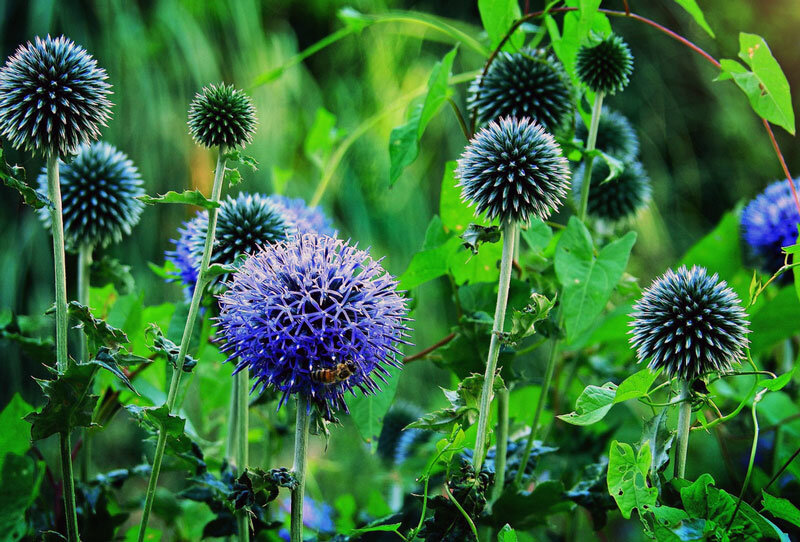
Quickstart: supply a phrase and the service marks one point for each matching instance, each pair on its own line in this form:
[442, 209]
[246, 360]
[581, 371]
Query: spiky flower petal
[530, 83]
[615, 136]
[53, 97]
[689, 323]
[99, 191]
[221, 115]
[619, 199]
[512, 170]
[769, 222]
[244, 224]
[606, 65]
[311, 304]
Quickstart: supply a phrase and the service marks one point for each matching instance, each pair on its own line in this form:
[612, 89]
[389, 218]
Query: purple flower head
[305, 219]
[769, 222]
[316, 316]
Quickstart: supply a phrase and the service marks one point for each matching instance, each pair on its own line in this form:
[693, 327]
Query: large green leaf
[14, 177]
[427, 265]
[70, 402]
[764, 84]
[497, 17]
[592, 405]
[20, 479]
[781, 508]
[719, 250]
[694, 10]
[404, 140]
[456, 214]
[587, 280]
[627, 478]
[187, 197]
[15, 436]
[367, 411]
[774, 321]
[577, 26]
[636, 385]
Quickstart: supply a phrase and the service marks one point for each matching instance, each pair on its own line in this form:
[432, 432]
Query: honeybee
[333, 375]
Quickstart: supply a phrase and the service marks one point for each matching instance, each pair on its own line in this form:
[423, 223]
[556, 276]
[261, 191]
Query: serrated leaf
[636, 385]
[587, 280]
[523, 323]
[694, 10]
[404, 140]
[764, 84]
[179, 444]
[232, 177]
[476, 235]
[70, 402]
[14, 177]
[109, 270]
[236, 155]
[187, 197]
[463, 409]
[164, 346]
[592, 405]
[627, 478]
[98, 331]
[105, 359]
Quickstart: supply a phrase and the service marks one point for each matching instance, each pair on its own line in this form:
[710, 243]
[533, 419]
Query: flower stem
[242, 382]
[591, 141]
[177, 370]
[506, 264]
[233, 423]
[84, 267]
[62, 358]
[299, 467]
[502, 443]
[684, 421]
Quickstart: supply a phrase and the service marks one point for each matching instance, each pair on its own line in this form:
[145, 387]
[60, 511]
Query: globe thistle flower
[512, 170]
[99, 191]
[53, 97]
[304, 218]
[244, 224]
[619, 199]
[221, 115]
[606, 65]
[313, 316]
[769, 222]
[526, 84]
[689, 323]
[615, 136]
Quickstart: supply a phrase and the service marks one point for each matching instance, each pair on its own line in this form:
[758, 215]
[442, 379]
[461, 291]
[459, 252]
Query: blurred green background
[703, 147]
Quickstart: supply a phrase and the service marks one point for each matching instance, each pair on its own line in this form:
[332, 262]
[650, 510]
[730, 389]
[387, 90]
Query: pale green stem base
[509, 236]
[684, 423]
[177, 371]
[242, 449]
[84, 270]
[299, 467]
[502, 444]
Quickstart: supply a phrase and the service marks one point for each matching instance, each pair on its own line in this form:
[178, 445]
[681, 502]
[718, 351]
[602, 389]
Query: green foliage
[523, 321]
[592, 405]
[14, 177]
[368, 411]
[477, 235]
[187, 197]
[109, 270]
[463, 409]
[627, 478]
[70, 402]
[179, 444]
[14, 437]
[20, 479]
[497, 17]
[694, 10]
[781, 508]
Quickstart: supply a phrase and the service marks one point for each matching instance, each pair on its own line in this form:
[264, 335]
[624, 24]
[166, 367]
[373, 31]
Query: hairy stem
[69, 488]
[84, 267]
[299, 467]
[242, 425]
[502, 444]
[509, 235]
[177, 370]
[591, 141]
[684, 421]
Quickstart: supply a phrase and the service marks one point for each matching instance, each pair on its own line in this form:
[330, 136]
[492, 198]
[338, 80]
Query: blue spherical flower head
[512, 170]
[53, 97]
[769, 222]
[615, 135]
[99, 191]
[617, 200]
[304, 218]
[689, 323]
[314, 316]
[244, 224]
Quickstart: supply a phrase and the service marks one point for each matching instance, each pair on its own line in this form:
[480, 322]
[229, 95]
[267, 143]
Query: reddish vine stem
[661, 28]
[431, 348]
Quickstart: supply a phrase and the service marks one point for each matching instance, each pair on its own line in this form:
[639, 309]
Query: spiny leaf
[109, 270]
[476, 235]
[70, 402]
[178, 442]
[96, 329]
[14, 177]
[463, 409]
[162, 345]
[187, 197]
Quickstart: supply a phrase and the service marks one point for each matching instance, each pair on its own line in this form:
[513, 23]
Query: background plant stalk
[194, 308]
[84, 273]
[242, 425]
[506, 264]
[299, 467]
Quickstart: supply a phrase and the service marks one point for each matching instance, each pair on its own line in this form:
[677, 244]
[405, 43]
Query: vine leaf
[404, 140]
[637, 385]
[187, 197]
[781, 508]
[593, 404]
[14, 177]
[627, 478]
[368, 411]
[694, 10]
[764, 84]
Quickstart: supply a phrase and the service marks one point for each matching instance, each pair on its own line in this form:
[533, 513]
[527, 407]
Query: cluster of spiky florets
[305, 219]
[618, 199]
[99, 191]
[221, 115]
[244, 224]
[689, 323]
[615, 136]
[606, 65]
[313, 316]
[530, 83]
[53, 97]
[769, 222]
[512, 170]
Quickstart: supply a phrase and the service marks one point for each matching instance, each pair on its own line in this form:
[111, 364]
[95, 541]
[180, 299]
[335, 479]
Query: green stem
[177, 370]
[299, 467]
[591, 141]
[548, 379]
[684, 422]
[69, 488]
[84, 269]
[242, 425]
[506, 264]
[753, 447]
[233, 423]
[502, 444]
